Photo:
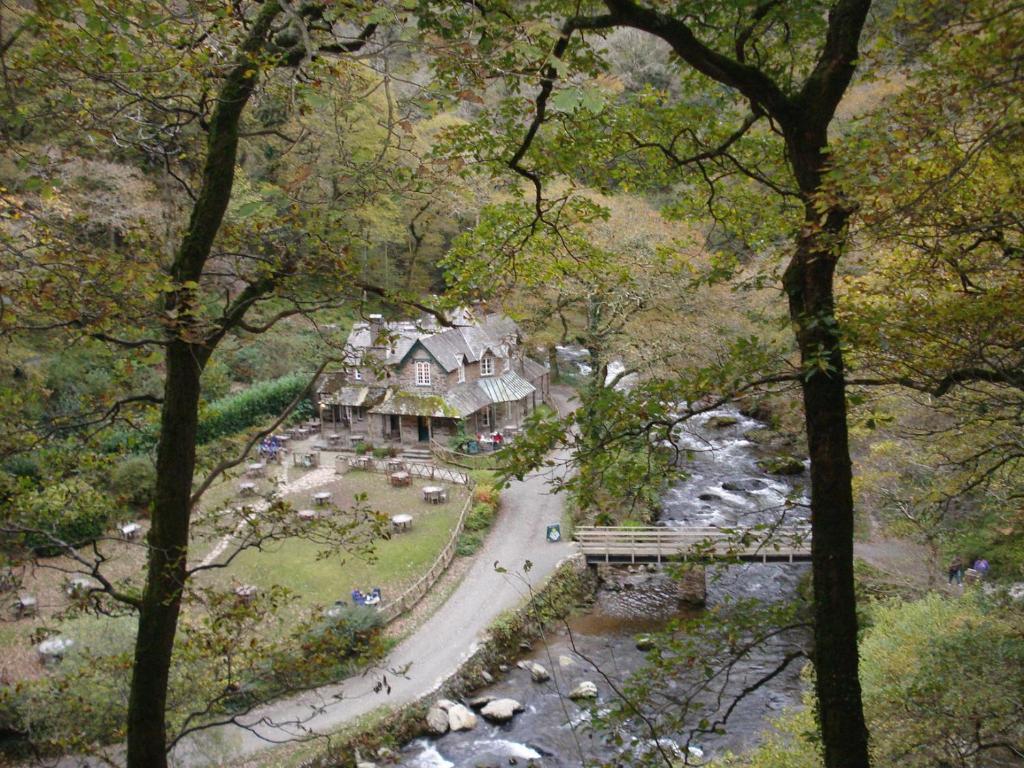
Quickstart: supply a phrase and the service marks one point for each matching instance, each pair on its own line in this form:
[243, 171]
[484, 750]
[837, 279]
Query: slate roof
[470, 340]
[353, 396]
[533, 370]
[403, 403]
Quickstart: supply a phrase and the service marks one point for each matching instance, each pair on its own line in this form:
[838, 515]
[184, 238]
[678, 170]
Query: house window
[487, 365]
[462, 370]
[422, 373]
[485, 417]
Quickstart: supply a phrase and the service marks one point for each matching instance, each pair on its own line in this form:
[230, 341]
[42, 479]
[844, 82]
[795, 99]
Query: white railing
[644, 544]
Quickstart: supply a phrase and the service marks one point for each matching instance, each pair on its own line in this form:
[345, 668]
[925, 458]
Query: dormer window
[422, 373]
[462, 370]
[487, 365]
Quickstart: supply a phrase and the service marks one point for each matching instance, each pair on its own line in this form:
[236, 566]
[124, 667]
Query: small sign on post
[554, 532]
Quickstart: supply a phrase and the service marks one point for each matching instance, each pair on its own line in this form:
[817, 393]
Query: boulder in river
[710, 496]
[444, 704]
[566, 661]
[721, 422]
[781, 465]
[480, 701]
[644, 643]
[537, 671]
[585, 690]
[501, 710]
[437, 721]
[460, 718]
[746, 484]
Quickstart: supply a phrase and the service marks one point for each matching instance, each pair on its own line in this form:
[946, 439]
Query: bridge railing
[644, 544]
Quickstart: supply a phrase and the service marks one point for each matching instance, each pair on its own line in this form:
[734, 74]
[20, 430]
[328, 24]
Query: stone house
[412, 382]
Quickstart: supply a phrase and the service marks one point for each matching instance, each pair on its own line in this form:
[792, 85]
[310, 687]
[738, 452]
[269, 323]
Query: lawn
[293, 564]
[397, 562]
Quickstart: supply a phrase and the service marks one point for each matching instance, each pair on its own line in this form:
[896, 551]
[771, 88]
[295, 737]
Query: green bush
[468, 544]
[382, 452]
[24, 465]
[133, 481]
[72, 512]
[362, 449]
[480, 517]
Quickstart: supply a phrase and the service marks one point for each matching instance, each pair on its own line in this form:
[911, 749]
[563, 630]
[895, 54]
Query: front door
[423, 427]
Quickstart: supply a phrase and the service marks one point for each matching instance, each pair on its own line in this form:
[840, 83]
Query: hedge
[233, 414]
[228, 415]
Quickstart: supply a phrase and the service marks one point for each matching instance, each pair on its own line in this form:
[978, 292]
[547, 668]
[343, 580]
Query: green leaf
[567, 100]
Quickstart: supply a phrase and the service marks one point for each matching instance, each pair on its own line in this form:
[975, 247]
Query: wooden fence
[392, 609]
[414, 468]
[482, 460]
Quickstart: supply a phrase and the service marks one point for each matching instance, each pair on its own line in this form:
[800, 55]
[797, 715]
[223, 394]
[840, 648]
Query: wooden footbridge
[609, 544]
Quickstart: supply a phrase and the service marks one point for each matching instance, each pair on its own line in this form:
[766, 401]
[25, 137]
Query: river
[724, 487]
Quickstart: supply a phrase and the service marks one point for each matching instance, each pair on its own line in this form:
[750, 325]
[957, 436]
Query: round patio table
[322, 498]
[432, 494]
[401, 523]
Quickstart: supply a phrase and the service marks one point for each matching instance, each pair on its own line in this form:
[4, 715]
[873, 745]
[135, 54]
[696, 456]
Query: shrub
[382, 452]
[468, 544]
[479, 518]
[23, 465]
[944, 675]
[362, 449]
[235, 413]
[486, 494]
[71, 511]
[133, 481]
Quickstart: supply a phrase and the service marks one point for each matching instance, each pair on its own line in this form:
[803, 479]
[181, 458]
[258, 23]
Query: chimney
[376, 325]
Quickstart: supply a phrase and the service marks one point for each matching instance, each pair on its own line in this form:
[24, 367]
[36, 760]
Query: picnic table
[322, 498]
[256, 469]
[129, 531]
[53, 650]
[400, 523]
[26, 605]
[246, 593]
[399, 478]
[434, 494]
[395, 465]
[361, 462]
[79, 586]
[247, 489]
[334, 439]
[282, 438]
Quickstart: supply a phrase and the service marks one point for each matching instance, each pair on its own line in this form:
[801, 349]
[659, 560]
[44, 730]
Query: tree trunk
[168, 549]
[556, 373]
[809, 285]
[179, 418]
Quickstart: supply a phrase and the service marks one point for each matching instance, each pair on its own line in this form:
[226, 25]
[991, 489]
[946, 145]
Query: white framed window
[462, 370]
[422, 373]
[487, 365]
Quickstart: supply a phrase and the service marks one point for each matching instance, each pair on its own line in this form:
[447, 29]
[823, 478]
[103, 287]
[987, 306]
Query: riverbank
[381, 734]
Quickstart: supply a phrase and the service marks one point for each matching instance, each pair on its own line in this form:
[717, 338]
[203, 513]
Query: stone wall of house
[405, 377]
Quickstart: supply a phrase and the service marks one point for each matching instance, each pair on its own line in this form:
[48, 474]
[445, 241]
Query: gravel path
[433, 652]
